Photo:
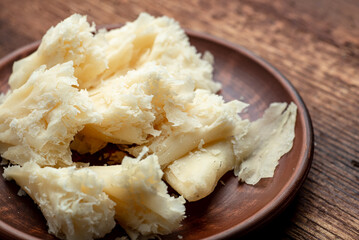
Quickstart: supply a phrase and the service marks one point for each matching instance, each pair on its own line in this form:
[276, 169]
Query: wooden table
[313, 43]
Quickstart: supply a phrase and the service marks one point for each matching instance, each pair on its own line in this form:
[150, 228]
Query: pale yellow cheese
[39, 119]
[207, 118]
[268, 138]
[141, 57]
[72, 200]
[143, 206]
[195, 175]
[132, 105]
[160, 40]
[71, 40]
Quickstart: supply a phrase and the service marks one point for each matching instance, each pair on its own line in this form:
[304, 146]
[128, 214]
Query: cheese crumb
[21, 192]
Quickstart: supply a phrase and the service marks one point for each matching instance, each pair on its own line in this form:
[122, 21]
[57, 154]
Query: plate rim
[286, 194]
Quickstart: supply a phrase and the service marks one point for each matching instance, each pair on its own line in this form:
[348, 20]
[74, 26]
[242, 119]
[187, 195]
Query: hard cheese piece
[160, 40]
[39, 119]
[134, 54]
[178, 145]
[207, 118]
[268, 138]
[72, 200]
[195, 175]
[132, 106]
[71, 40]
[143, 206]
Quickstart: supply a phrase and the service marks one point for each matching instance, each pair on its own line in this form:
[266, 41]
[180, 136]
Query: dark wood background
[315, 44]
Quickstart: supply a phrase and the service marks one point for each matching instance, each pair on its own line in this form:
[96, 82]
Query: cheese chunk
[143, 206]
[268, 138]
[195, 175]
[160, 40]
[71, 40]
[142, 57]
[39, 120]
[133, 107]
[72, 200]
[207, 118]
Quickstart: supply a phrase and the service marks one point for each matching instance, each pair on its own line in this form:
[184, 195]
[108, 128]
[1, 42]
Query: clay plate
[233, 209]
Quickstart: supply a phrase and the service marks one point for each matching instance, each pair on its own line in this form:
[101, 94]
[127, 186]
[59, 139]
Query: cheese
[268, 138]
[71, 40]
[143, 206]
[39, 119]
[195, 175]
[72, 200]
[207, 118]
[130, 104]
[160, 40]
[141, 57]
[145, 88]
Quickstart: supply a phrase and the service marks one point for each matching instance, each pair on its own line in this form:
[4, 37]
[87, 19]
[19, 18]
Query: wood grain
[315, 44]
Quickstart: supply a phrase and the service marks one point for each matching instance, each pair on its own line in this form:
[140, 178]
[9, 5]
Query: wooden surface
[315, 44]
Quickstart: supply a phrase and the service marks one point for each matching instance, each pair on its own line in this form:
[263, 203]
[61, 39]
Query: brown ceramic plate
[233, 209]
